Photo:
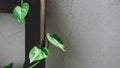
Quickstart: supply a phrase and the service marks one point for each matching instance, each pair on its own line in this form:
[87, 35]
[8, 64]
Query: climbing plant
[37, 53]
[21, 11]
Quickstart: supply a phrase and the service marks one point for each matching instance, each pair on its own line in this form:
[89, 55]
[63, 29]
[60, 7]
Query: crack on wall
[4, 38]
[71, 14]
[15, 33]
[71, 30]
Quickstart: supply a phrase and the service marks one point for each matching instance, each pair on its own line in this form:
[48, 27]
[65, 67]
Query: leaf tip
[63, 50]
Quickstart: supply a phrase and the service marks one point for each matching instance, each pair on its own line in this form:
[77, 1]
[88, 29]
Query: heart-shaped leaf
[9, 66]
[20, 12]
[37, 54]
[55, 40]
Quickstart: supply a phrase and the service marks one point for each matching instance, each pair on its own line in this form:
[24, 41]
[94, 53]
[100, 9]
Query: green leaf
[9, 66]
[20, 12]
[37, 54]
[55, 40]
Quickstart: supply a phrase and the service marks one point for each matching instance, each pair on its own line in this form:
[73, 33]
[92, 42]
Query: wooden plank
[42, 22]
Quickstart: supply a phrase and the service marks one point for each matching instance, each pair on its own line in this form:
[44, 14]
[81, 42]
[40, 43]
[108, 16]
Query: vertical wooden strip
[42, 22]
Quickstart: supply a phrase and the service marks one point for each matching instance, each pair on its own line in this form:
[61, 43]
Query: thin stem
[34, 64]
[21, 2]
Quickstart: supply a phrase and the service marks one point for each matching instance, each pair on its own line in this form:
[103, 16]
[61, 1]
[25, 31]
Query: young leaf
[55, 40]
[9, 66]
[20, 12]
[37, 54]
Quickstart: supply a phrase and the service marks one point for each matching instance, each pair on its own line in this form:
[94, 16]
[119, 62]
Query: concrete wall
[12, 41]
[91, 31]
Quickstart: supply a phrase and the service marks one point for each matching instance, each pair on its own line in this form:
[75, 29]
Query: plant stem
[21, 2]
[34, 64]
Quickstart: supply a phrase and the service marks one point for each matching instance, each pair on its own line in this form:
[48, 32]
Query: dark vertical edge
[42, 31]
[32, 30]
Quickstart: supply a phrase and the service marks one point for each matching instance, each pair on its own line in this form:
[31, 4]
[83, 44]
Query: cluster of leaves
[37, 53]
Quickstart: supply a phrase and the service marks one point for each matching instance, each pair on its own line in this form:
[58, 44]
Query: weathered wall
[91, 31]
[12, 41]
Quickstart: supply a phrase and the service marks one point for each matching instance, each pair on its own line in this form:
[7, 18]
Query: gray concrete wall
[12, 41]
[91, 31]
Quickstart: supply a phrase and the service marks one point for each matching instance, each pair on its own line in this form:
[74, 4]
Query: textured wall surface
[12, 41]
[91, 31]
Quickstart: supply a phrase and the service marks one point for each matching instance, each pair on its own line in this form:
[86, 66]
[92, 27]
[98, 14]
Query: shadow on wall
[59, 21]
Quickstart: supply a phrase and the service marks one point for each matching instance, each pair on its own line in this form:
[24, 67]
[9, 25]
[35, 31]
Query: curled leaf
[55, 40]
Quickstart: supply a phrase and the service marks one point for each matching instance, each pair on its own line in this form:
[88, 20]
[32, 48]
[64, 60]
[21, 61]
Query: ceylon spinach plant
[37, 53]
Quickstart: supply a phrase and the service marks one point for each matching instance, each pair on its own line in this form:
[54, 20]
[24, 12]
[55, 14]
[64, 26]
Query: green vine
[36, 53]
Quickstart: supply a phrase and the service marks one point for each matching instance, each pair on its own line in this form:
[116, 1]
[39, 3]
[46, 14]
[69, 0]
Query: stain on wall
[90, 29]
